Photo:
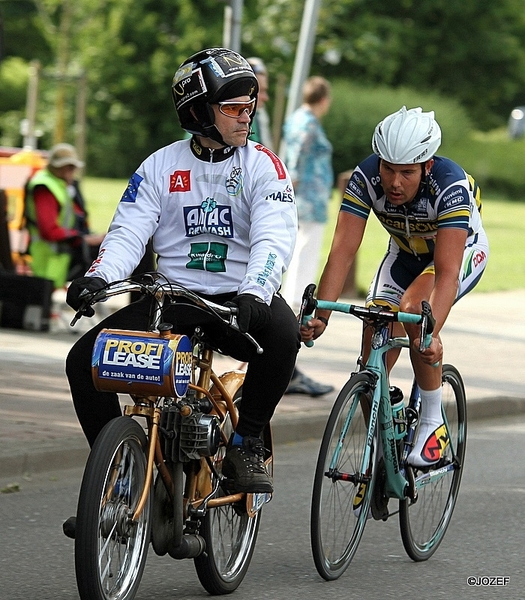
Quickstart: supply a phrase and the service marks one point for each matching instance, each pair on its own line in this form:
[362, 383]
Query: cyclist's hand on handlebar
[312, 329]
[253, 312]
[79, 288]
[432, 355]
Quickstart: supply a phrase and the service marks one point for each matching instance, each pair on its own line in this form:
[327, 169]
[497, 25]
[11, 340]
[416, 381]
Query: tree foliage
[471, 51]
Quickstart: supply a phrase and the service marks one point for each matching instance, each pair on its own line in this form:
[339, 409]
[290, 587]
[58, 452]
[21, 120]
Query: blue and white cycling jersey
[448, 197]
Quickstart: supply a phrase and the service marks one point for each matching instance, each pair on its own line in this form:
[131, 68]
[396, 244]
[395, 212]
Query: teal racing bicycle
[362, 463]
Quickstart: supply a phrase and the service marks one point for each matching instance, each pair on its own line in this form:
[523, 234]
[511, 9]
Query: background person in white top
[300, 383]
[308, 157]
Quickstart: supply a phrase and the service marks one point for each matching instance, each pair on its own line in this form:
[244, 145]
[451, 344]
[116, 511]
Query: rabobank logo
[209, 217]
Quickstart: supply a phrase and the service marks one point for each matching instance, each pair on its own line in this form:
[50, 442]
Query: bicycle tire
[335, 528]
[424, 522]
[111, 551]
[230, 535]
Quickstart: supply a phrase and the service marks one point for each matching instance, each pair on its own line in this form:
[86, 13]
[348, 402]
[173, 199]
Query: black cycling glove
[253, 312]
[91, 284]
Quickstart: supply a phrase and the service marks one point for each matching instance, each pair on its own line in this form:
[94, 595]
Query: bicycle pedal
[254, 502]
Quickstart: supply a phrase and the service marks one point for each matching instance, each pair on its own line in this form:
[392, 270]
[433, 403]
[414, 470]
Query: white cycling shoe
[431, 443]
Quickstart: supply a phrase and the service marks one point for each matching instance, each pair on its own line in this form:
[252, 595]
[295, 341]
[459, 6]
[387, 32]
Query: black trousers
[267, 375]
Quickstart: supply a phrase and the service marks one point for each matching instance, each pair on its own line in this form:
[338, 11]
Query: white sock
[431, 406]
[431, 423]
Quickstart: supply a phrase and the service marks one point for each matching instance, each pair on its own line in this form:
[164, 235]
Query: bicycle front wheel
[342, 488]
[230, 534]
[424, 522]
[110, 547]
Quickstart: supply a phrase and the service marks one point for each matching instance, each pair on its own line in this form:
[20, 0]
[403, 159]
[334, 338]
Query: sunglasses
[236, 109]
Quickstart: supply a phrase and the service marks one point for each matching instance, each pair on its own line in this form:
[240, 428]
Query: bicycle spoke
[230, 535]
[424, 522]
[336, 524]
[110, 549]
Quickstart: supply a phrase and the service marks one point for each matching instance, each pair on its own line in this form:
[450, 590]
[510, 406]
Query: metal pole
[237, 7]
[304, 53]
[31, 104]
[80, 125]
[63, 49]
[227, 27]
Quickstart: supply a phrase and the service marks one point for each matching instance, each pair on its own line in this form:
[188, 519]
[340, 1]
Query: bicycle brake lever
[80, 313]
[89, 298]
[427, 327]
[76, 318]
[423, 336]
[233, 323]
[308, 305]
[259, 349]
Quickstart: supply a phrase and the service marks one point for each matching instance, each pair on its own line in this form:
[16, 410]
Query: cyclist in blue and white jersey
[437, 249]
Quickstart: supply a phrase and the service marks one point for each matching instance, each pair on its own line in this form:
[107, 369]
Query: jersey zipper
[408, 234]
[207, 254]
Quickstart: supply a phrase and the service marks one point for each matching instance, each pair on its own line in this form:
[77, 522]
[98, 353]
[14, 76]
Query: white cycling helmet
[407, 137]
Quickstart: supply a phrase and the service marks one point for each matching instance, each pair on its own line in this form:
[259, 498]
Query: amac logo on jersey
[180, 181]
[209, 217]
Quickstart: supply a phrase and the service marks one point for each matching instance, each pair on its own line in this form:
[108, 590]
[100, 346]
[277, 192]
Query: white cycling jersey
[221, 221]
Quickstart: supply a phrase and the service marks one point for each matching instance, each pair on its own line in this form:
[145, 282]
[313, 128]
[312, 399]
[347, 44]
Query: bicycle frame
[223, 407]
[381, 410]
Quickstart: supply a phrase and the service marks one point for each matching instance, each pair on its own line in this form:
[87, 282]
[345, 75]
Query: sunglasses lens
[235, 109]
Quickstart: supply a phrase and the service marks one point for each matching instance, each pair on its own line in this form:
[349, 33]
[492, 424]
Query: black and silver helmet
[210, 76]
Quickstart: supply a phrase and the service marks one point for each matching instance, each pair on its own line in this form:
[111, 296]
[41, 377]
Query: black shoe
[244, 466]
[69, 527]
[301, 384]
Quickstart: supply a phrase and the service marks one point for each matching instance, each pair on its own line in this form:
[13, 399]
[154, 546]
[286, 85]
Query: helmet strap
[205, 117]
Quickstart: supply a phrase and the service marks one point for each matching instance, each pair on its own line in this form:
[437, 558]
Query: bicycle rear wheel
[424, 522]
[336, 525]
[230, 534]
[110, 548]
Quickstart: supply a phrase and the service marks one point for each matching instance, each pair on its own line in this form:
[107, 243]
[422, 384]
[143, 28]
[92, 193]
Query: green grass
[504, 222]
[102, 197]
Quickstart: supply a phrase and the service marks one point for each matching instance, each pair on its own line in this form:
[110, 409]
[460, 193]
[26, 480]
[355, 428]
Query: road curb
[69, 453]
